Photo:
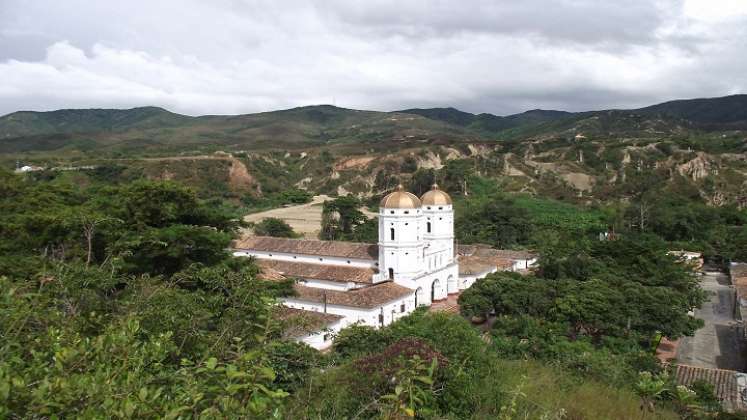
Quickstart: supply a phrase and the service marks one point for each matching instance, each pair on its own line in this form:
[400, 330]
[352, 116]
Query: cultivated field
[305, 219]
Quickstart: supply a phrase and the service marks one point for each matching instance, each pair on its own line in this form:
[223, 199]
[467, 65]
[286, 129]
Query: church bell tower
[401, 243]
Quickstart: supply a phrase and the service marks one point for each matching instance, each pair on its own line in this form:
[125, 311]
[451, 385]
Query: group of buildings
[415, 263]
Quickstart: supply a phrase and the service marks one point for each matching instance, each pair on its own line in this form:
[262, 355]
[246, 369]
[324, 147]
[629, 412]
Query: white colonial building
[415, 263]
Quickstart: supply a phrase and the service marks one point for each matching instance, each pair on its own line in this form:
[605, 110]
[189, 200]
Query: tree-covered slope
[28, 123]
[724, 112]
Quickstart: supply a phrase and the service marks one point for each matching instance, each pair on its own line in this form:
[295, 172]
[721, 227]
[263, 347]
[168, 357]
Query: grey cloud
[231, 56]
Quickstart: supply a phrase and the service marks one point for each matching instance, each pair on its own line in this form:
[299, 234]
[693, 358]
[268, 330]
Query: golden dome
[435, 197]
[400, 199]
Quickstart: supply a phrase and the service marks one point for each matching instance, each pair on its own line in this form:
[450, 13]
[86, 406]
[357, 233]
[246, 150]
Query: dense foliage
[123, 302]
[272, 226]
[120, 300]
[343, 220]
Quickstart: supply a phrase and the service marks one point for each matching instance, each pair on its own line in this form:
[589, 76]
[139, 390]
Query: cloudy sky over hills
[234, 56]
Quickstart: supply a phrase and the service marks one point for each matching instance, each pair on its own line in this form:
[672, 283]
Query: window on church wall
[428, 227]
[391, 233]
[391, 274]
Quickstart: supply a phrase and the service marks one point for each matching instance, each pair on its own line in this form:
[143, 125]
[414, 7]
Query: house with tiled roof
[519, 260]
[310, 327]
[415, 263]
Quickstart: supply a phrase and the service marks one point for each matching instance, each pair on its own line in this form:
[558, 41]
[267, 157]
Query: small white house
[315, 329]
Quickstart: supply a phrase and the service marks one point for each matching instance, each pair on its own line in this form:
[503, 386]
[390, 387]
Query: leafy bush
[278, 228]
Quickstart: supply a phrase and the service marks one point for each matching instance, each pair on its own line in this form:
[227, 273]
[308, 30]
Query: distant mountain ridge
[710, 113]
[722, 112]
[485, 121]
[25, 123]
[153, 128]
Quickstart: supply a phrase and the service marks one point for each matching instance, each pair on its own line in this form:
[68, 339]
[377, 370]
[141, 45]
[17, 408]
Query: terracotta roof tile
[269, 274]
[738, 273]
[338, 273]
[299, 322]
[724, 382]
[309, 247]
[480, 250]
[469, 265]
[365, 297]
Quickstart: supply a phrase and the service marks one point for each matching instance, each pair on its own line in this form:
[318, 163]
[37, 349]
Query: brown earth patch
[356, 162]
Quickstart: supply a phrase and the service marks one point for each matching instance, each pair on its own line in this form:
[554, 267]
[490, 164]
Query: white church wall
[328, 285]
[313, 259]
[322, 339]
[466, 281]
[426, 283]
[440, 240]
[400, 243]
[391, 310]
[523, 264]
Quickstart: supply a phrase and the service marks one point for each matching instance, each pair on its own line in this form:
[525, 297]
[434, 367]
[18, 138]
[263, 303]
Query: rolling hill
[727, 112]
[152, 130]
[693, 145]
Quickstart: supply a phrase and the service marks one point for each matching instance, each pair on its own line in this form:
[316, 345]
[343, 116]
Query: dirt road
[717, 344]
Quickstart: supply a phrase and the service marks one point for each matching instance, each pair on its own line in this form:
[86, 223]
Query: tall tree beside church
[340, 217]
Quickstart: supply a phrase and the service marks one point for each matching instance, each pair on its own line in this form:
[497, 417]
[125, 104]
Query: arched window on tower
[391, 274]
[391, 233]
[428, 227]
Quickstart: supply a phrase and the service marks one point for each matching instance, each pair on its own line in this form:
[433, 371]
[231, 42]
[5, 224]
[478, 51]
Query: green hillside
[156, 131]
[334, 150]
[66, 121]
[151, 130]
[728, 112]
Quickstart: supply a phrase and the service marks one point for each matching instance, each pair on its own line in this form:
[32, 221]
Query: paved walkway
[717, 344]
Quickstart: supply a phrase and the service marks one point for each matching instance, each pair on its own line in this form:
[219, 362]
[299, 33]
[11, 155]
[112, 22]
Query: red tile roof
[337, 273]
[481, 250]
[298, 322]
[723, 381]
[365, 297]
[309, 247]
[471, 265]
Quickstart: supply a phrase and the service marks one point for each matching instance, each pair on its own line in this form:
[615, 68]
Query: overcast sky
[236, 56]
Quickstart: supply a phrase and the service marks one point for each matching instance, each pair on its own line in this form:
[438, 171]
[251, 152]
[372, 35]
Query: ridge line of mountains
[24, 131]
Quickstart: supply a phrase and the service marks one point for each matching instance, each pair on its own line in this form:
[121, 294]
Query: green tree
[340, 216]
[272, 226]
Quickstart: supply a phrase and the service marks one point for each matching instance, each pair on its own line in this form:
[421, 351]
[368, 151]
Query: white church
[415, 263]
